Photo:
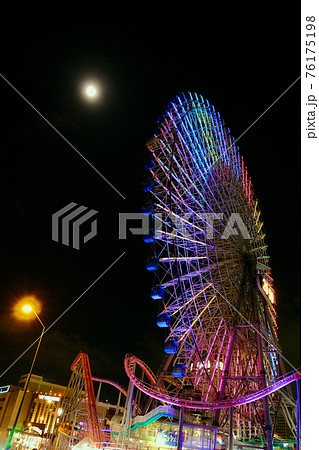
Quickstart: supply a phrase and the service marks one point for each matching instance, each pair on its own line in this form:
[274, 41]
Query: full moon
[91, 91]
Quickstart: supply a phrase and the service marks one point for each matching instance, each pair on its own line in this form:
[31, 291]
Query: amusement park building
[40, 411]
[10, 398]
[39, 384]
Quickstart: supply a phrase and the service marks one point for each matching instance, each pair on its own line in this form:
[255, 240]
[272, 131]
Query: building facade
[39, 416]
[10, 400]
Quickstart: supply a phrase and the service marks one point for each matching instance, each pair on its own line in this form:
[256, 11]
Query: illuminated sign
[49, 398]
[168, 438]
[36, 427]
[36, 430]
[4, 389]
[269, 291]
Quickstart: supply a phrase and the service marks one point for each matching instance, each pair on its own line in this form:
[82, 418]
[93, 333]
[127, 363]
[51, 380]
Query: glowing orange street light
[27, 309]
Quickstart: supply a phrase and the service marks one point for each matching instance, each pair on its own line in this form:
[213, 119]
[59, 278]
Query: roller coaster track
[82, 359]
[116, 385]
[112, 383]
[179, 400]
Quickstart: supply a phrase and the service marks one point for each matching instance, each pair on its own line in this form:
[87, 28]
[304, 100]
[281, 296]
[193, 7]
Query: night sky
[141, 62]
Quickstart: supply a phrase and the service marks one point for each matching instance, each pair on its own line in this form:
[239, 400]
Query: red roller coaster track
[112, 383]
[116, 385]
[82, 359]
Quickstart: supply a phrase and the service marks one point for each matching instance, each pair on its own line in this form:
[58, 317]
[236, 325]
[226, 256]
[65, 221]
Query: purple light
[165, 396]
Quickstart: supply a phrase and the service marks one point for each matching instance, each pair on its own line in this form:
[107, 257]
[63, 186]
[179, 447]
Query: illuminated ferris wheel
[212, 275]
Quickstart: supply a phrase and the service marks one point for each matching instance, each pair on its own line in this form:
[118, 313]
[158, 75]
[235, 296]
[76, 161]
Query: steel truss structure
[79, 404]
[212, 277]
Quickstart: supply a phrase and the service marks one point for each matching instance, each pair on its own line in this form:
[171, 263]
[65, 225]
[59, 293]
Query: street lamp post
[27, 309]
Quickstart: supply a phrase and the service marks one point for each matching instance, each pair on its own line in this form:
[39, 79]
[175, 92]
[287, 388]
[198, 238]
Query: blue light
[157, 293]
[163, 320]
[170, 347]
[274, 360]
[149, 238]
[150, 163]
[152, 264]
[148, 210]
[148, 185]
[179, 370]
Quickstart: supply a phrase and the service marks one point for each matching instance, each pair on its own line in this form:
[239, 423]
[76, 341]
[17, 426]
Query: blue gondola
[148, 209]
[164, 320]
[179, 370]
[149, 238]
[170, 346]
[152, 264]
[157, 293]
[150, 163]
[148, 185]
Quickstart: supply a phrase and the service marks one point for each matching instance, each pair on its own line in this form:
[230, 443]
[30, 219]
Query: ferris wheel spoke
[203, 218]
[195, 273]
[191, 183]
[197, 317]
[174, 309]
[181, 190]
[213, 190]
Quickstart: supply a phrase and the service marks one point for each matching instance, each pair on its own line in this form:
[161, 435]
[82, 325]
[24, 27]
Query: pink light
[164, 396]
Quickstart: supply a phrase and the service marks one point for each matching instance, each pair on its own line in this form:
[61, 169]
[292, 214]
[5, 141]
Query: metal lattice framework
[79, 404]
[212, 273]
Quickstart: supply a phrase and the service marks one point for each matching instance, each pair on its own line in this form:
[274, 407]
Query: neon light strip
[165, 396]
[195, 133]
[180, 236]
[183, 258]
[180, 200]
[180, 217]
[200, 171]
[167, 171]
[202, 217]
[191, 183]
[211, 346]
[197, 318]
[188, 276]
[193, 298]
[215, 368]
